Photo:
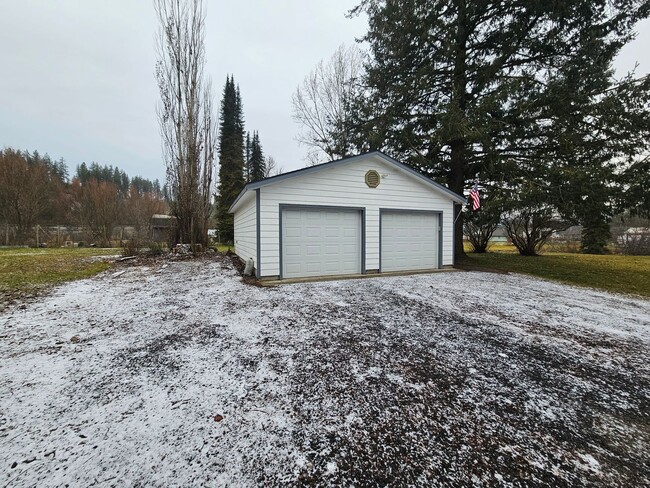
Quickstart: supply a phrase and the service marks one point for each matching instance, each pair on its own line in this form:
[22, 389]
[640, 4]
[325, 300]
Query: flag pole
[460, 211]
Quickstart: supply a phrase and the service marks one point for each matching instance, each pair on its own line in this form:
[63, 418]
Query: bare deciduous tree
[139, 207]
[187, 123]
[271, 167]
[97, 208]
[322, 104]
[26, 191]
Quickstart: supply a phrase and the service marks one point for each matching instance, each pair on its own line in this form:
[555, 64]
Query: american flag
[474, 196]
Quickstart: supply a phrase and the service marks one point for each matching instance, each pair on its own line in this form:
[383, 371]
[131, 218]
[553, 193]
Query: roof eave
[239, 197]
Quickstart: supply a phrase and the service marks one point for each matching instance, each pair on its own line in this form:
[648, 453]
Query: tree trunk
[456, 183]
[458, 145]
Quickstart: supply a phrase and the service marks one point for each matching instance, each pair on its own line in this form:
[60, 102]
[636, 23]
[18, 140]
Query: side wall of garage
[345, 186]
[246, 229]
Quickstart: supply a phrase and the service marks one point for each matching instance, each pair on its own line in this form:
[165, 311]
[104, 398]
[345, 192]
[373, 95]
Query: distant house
[572, 234]
[361, 214]
[500, 236]
[161, 227]
[637, 231]
[634, 234]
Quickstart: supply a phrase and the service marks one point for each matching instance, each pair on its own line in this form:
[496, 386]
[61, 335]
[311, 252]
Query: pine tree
[231, 157]
[82, 173]
[593, 125]
[258, 164]
[247, 159]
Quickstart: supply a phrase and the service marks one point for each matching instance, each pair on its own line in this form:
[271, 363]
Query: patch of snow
[395, 378]
[331, 468]
[588, 462]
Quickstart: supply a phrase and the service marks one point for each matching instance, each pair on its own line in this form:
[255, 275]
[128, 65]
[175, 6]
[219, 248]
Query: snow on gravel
[179, 374]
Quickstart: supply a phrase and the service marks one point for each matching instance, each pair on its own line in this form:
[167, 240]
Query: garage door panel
[312, 231]
[333, 250]
[292, 218]
[332, 232]
[409, 241]
[293, 268]
[313, 250]
[310, 268]
[293, 231]
[330, 268]
[318, 242]
[292, 250]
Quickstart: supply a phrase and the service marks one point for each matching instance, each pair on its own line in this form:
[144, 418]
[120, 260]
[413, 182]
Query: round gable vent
[372, 178]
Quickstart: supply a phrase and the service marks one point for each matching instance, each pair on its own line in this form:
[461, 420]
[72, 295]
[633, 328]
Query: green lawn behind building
[616, 273]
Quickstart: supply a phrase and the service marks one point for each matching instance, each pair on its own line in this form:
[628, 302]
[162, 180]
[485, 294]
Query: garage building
[362, 214]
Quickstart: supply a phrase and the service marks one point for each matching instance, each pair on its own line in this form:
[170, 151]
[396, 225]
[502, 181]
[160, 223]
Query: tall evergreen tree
[258, 164]
[591, 124]
[231, 157]
[247, 159]
[459, 87]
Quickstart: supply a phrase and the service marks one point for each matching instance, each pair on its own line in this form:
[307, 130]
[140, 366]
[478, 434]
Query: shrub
[156, 249]
[136, 247]
[530, 227]
[479, 232]
[130, 248]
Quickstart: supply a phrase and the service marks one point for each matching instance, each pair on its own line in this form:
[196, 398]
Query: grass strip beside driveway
[26, 270]
[615, 273]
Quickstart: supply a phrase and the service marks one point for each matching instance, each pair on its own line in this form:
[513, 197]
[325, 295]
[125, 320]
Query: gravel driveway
[179, 374]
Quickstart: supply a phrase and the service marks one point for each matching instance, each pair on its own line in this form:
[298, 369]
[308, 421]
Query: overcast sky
[77, 76]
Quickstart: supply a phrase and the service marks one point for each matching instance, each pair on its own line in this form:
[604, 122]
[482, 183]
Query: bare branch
[322, 104]
[186, 114]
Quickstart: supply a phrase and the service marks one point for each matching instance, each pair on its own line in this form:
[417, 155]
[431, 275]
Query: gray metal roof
[319, 167]
[161, 220]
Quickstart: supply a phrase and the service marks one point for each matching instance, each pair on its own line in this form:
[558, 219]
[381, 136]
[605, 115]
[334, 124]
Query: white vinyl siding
[409, 241]
[246, 229]
[320, 242]
[344, 185]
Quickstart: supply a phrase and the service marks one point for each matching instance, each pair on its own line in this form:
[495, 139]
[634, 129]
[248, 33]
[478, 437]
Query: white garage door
[320, 242]
[409, 241]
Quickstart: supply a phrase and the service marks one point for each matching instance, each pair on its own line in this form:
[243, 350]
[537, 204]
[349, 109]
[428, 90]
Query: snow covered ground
[178, 374]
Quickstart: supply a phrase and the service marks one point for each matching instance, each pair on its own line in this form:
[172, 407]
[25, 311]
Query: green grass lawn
[623, 274]
[26, 270]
